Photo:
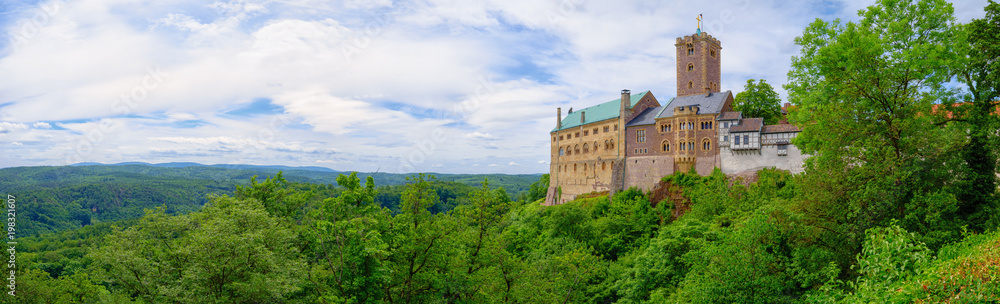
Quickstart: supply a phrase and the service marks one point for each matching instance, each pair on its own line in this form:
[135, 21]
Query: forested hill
[65, 197]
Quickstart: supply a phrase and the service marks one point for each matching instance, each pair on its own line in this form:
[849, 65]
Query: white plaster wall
[751, 160]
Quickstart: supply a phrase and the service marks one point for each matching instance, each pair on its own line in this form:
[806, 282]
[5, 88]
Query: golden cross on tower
[699, 21]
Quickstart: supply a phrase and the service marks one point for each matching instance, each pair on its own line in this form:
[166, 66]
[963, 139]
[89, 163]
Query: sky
[446, 86]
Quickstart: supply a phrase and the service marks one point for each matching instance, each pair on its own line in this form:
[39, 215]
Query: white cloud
[41, 125]
[17, 144]
[12, 126]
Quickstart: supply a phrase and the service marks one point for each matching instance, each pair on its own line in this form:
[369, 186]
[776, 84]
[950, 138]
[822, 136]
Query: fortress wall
[645, 172]
[767, 157]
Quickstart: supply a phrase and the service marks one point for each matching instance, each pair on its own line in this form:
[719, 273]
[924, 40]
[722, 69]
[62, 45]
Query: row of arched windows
[570, 150]
[706, 145]
[565, 168]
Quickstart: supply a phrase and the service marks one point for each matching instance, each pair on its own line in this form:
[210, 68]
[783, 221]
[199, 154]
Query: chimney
[558, 118]
[583, 117]
[626, 102]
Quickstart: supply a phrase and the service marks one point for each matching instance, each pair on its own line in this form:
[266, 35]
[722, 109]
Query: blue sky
[397, 86]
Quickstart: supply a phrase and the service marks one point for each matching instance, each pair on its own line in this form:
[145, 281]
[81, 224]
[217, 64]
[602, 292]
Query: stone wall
[736, 161]
[645, 172]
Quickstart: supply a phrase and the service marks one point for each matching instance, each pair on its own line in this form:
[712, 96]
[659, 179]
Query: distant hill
[64, 197]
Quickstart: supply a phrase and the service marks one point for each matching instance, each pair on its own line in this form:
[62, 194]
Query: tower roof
[603, 111]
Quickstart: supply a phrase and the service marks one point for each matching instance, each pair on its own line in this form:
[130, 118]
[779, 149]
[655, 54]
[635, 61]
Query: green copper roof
[604, 111]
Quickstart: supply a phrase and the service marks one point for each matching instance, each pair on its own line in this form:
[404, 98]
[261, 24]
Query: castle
[634, 141]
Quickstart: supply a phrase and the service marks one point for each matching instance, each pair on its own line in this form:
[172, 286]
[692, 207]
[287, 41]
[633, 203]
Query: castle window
[616, 127]
[578, 134]
[570, 135]
[584, 166]
[569, 150]
[690, 48]
[690, 84]
[585, 133]
[553, 139]
[712, 52]
[606, 128]
[604, 165]
[690, 67]
[666, 147]
[706, 145]
[576, 149]
[640, 136]
[612, 143]
[574, 167]
[683, 147]
[595, 131]
[561, 151]
[586, 148]
[691, 146]
[725, 138]
[560, 137]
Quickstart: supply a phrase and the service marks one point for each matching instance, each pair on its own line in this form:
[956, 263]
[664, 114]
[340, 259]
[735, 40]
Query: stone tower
[698, 64]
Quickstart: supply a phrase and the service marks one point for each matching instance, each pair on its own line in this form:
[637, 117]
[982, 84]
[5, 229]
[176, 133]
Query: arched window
[604, 165]
[706, 144]
[612, 143]
[690, 48]
[690, 67]
[690, 84]
[666, 147]
[606, 145]
[712, 52]
[683, 146]
[574, 167]
[561, 151]
[569, 150]
[576, 149]
[691, 145]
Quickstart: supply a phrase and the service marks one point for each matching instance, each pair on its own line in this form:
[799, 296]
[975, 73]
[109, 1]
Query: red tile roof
[748, 125]
[782, 128]
[730, 115]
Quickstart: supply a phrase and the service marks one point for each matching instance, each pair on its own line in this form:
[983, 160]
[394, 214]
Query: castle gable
[647, 117]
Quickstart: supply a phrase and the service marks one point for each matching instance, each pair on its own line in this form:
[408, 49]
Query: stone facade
[583, 155]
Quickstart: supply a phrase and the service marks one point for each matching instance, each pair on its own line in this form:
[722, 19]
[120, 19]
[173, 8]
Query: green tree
[864, 89]
[348, 246]
[976, 67]
[231, 252]
[538, 189]
[420, 247]
[758, 99]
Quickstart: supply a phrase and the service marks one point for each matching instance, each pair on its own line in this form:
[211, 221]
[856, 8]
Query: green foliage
[758, 99]
[978, 47]
[232, 251]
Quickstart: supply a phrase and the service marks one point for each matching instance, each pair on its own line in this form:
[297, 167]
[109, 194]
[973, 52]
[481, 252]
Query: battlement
[693, 38]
